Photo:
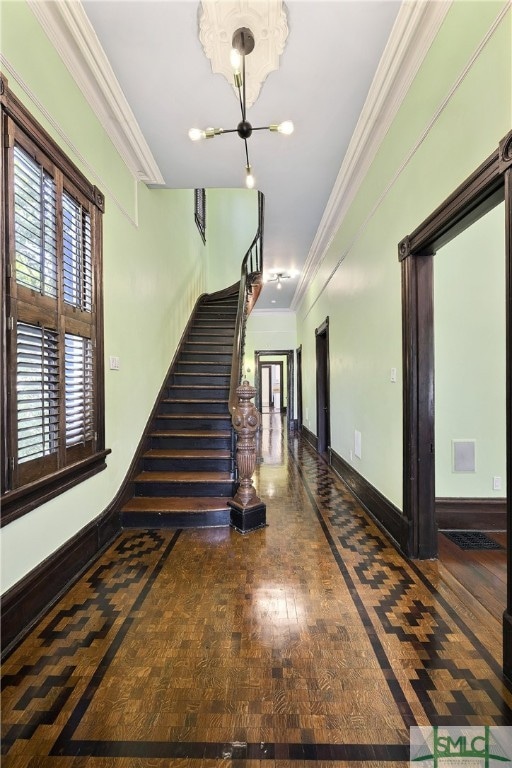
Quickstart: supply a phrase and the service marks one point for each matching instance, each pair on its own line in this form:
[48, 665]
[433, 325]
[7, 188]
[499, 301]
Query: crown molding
[278, 311]
[71, 33]
[267, 21]
[414, 31]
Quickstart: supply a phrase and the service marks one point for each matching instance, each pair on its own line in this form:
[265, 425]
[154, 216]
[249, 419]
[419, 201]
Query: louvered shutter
[79, 398]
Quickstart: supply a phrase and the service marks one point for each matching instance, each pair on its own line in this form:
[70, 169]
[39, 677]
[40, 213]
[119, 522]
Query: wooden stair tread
[183, 477]
[203, 416]
[187, 453]
[192, 401]
[199, 373]
[176, 504]
[191, 433]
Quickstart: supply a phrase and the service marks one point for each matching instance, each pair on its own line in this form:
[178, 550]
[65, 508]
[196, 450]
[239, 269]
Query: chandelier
[242, 46]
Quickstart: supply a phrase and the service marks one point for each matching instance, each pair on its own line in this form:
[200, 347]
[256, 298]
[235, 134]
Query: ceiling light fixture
[278, 277]
[243, 45]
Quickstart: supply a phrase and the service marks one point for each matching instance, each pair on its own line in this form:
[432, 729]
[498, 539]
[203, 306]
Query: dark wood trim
[299, 418]
[309, 437]
[269, 364]
[27, 601]
[323, 395]
[471, 514]
[490, 184]
[12, 106]
[22, 500]
[289, 354]
[388, 517]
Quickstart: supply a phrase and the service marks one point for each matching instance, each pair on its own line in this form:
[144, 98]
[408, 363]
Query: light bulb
[286, 127]
[279, 284]
[249, 179]
[196, 134]
[235, 59]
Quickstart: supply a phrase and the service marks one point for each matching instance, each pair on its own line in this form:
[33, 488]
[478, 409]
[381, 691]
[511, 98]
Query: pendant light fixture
[242, 46]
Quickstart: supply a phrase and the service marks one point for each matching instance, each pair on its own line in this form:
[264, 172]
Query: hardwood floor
[480, 573]
[309, 641]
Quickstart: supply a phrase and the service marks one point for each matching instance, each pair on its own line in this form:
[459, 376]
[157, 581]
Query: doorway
[270, 386]
[323, 421]
[283, 396]
[488, 186]
[298, 423]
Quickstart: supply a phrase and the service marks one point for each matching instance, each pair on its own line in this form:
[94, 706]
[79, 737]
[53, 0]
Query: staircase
[186, 469]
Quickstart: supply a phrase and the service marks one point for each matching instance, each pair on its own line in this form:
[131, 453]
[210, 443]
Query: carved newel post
[247, 509]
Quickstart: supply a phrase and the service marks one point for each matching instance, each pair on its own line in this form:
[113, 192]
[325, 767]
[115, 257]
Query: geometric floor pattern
[309, 641]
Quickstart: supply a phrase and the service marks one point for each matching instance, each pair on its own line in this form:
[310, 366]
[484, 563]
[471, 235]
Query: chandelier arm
[262, 128]
[246, 153]
[243, 86]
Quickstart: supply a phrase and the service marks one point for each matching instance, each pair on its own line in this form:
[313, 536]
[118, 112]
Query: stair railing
[251, 281]
[248, 512]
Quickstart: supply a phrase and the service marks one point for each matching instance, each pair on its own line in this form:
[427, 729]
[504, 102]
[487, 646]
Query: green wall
[231, 224]
[269, 330]
[154, 270]
[454, 115]
[469, 326]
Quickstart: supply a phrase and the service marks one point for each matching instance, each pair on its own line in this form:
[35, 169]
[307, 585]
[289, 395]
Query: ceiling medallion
[267, 20]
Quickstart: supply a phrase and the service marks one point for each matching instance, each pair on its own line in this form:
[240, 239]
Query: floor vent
[472, 540]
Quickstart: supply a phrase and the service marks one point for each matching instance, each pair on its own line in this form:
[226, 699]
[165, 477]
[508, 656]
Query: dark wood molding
[404, 248]
[27, 601]
[309, 437]
[289, 354]
[486, 187]
[13, 107]
[471, 514]
[22, 500]
[386, 515]
[505, 153]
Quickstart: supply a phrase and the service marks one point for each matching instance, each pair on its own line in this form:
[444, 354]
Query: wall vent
[464, 455]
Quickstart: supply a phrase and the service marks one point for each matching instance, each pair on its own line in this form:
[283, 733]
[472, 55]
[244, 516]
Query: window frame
[77, 465]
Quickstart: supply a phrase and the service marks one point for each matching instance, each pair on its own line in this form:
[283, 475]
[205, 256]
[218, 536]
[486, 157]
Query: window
[200, 211]
[52, 345]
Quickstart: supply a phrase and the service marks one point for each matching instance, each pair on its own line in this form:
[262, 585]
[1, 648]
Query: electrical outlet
[392, 376]
[496, 483]
[114, 363]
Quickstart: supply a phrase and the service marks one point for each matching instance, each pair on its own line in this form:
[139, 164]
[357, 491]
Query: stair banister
[251, 281]
[248, 512]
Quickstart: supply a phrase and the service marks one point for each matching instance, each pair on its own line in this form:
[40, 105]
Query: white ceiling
[329, 62]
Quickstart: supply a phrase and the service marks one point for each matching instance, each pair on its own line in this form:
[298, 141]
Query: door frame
[323, 395]
[488, 185]
[268, 364]
[289, 354]
[298, 421]
[265, 366]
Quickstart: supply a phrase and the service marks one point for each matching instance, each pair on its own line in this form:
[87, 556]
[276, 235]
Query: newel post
[248, 511]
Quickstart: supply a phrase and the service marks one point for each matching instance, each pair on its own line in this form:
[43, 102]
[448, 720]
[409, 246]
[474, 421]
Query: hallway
[311, 640]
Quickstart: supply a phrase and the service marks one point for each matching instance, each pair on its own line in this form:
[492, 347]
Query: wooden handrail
[251, 281]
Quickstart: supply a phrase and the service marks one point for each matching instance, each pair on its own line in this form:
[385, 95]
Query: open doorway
[270, 386]
[488, 186]
[275, 369]
[323, 420]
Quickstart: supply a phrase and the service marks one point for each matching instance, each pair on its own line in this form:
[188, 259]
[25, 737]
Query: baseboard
[30, 598]
[310, 437]
[385, 514]
[471, 514]
[507, 646]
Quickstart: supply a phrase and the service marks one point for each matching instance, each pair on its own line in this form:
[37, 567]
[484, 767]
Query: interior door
[322, 387]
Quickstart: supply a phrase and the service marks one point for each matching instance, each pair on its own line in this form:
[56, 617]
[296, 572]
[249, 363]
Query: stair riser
[222, 337]
[220, 383]
[191, 442]
[218, 518]
[199, 394]
[151, 489]
[186, 465]
[193, 407]
[209, 349]
[217, 358]
[182, 422]
[187, 366]
[207, 313]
